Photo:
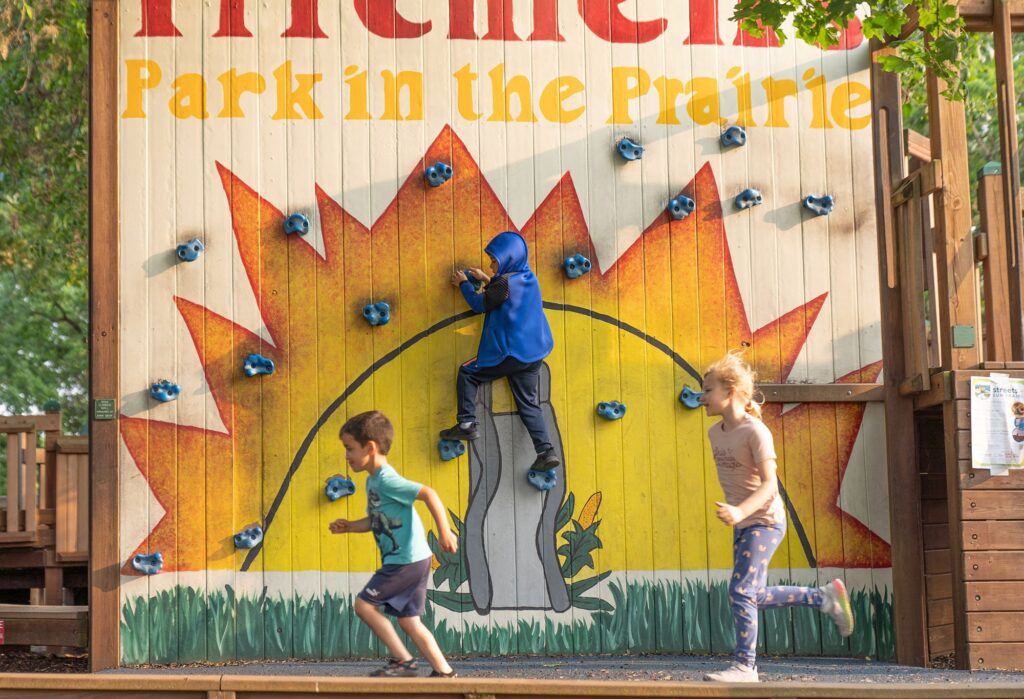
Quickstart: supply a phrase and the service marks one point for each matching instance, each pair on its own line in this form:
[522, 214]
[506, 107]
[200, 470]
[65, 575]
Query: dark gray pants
[523, 379]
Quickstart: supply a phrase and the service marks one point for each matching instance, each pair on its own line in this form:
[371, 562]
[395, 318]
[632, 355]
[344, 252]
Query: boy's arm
[475, 300]
[444, 533]
[496, 292]
[345, 526]
[359, 525]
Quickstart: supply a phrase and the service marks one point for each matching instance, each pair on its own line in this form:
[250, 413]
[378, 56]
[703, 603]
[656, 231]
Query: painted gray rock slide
[511, 556]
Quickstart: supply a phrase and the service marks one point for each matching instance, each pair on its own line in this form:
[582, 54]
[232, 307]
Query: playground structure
[956, 529]
[273, 238]
[44, 532]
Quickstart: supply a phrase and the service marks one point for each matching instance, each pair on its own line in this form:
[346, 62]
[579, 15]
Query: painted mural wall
[235, 115]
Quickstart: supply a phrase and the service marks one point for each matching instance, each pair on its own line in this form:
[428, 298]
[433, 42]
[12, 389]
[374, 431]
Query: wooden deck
[232, 687]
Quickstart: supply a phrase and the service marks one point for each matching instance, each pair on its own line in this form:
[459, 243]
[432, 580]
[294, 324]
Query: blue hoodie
[518, 327]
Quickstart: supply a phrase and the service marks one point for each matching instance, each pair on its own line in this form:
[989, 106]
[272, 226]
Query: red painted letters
[381, 17]
[605, 19]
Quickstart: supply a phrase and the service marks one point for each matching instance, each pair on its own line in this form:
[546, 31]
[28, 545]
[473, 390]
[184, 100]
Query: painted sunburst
[210, 484]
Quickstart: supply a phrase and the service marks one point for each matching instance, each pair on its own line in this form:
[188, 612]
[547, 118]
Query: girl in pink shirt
[745, 457]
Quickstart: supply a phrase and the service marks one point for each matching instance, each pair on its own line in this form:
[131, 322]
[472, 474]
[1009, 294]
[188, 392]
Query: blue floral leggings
[752, 549]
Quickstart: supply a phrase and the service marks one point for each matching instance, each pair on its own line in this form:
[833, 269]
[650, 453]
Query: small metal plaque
[104, 409]
[963, 336]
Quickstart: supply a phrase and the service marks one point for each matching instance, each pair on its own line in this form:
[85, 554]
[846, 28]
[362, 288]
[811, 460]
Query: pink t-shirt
[737, 454]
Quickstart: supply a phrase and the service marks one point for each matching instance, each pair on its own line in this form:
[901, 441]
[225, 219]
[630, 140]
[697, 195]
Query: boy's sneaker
[447, 675]
[736, 672]
[458, 433]
[546, 461]
[837, 605]
[397, 668]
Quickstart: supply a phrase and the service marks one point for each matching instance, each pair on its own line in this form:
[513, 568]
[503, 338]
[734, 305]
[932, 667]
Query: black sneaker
[447, 675]
[457, 434]
[397, 668]
[546, 461]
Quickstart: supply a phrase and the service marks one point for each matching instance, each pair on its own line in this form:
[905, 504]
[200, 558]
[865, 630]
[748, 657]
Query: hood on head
[509, 249]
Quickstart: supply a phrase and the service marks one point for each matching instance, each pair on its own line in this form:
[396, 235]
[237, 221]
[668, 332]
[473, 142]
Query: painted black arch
[441, 325]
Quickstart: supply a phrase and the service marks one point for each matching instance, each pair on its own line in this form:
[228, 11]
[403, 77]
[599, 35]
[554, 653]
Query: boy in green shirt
[399, 588]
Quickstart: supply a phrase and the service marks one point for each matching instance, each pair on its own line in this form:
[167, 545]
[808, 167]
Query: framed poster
[997, 422]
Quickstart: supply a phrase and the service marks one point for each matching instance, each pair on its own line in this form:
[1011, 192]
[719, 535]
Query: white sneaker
[736, 672]
[837, 606]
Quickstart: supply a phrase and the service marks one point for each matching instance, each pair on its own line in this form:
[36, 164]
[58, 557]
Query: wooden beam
[978, 15]
[918, 146]
[992, 220]
[1006, 110]
[44, 625]
[909, 618]
[104, 257]
[954, 245]
[23, 423]
[822, 393]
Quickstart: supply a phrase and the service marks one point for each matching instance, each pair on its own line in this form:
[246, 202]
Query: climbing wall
[241, 121]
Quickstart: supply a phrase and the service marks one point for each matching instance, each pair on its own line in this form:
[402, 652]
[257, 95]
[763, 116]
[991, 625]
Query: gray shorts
[399, 590]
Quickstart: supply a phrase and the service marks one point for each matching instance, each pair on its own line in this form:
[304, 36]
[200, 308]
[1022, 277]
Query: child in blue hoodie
[515, 340]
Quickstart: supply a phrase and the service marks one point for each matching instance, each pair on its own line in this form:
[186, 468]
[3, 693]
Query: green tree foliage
[936, 44]
[979, 83]
[44, 187]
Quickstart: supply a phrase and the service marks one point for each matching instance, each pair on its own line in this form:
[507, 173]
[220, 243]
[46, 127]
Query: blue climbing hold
[821, 206]
[148, 563]
[681, 207]
[189, 252]
[611, 410]
[576, 266]
[748, 198]
[297, 223]
[337, 487]
[377, 313]
[690, 398]
[258, 365]
[630, 150]
[438, 173]
[734, 136]
[450, 449]
[477, 283]
[248, 538]
[542, 480]
[164, 391]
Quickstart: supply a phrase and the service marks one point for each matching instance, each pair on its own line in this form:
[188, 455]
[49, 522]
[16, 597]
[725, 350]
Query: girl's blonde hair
[734, 373]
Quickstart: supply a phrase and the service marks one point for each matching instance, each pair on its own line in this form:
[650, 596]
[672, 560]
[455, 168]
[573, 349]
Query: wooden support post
[30, 483]
[905, 517]
[53, 592]
[1007, 113]
[954, 244]
[998, 347]
[13, 482]
[104, 254]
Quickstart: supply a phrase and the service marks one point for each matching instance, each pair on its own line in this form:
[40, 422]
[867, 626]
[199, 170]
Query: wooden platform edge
[222, 686]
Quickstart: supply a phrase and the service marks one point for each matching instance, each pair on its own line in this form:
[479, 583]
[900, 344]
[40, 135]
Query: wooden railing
[47, 500]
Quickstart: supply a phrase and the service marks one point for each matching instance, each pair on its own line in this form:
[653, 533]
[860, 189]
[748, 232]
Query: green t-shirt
[393, 520]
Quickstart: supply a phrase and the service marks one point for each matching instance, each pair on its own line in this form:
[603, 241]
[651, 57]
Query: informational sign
[997, 422]
[104, 409]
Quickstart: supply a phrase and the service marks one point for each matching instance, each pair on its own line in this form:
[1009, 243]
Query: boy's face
[359, 457]
[494, 265]
[716, 396]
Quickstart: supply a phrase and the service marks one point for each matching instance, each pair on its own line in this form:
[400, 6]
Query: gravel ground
[635, 668]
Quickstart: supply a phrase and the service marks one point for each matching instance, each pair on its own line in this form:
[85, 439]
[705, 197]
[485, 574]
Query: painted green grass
[185, 625]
